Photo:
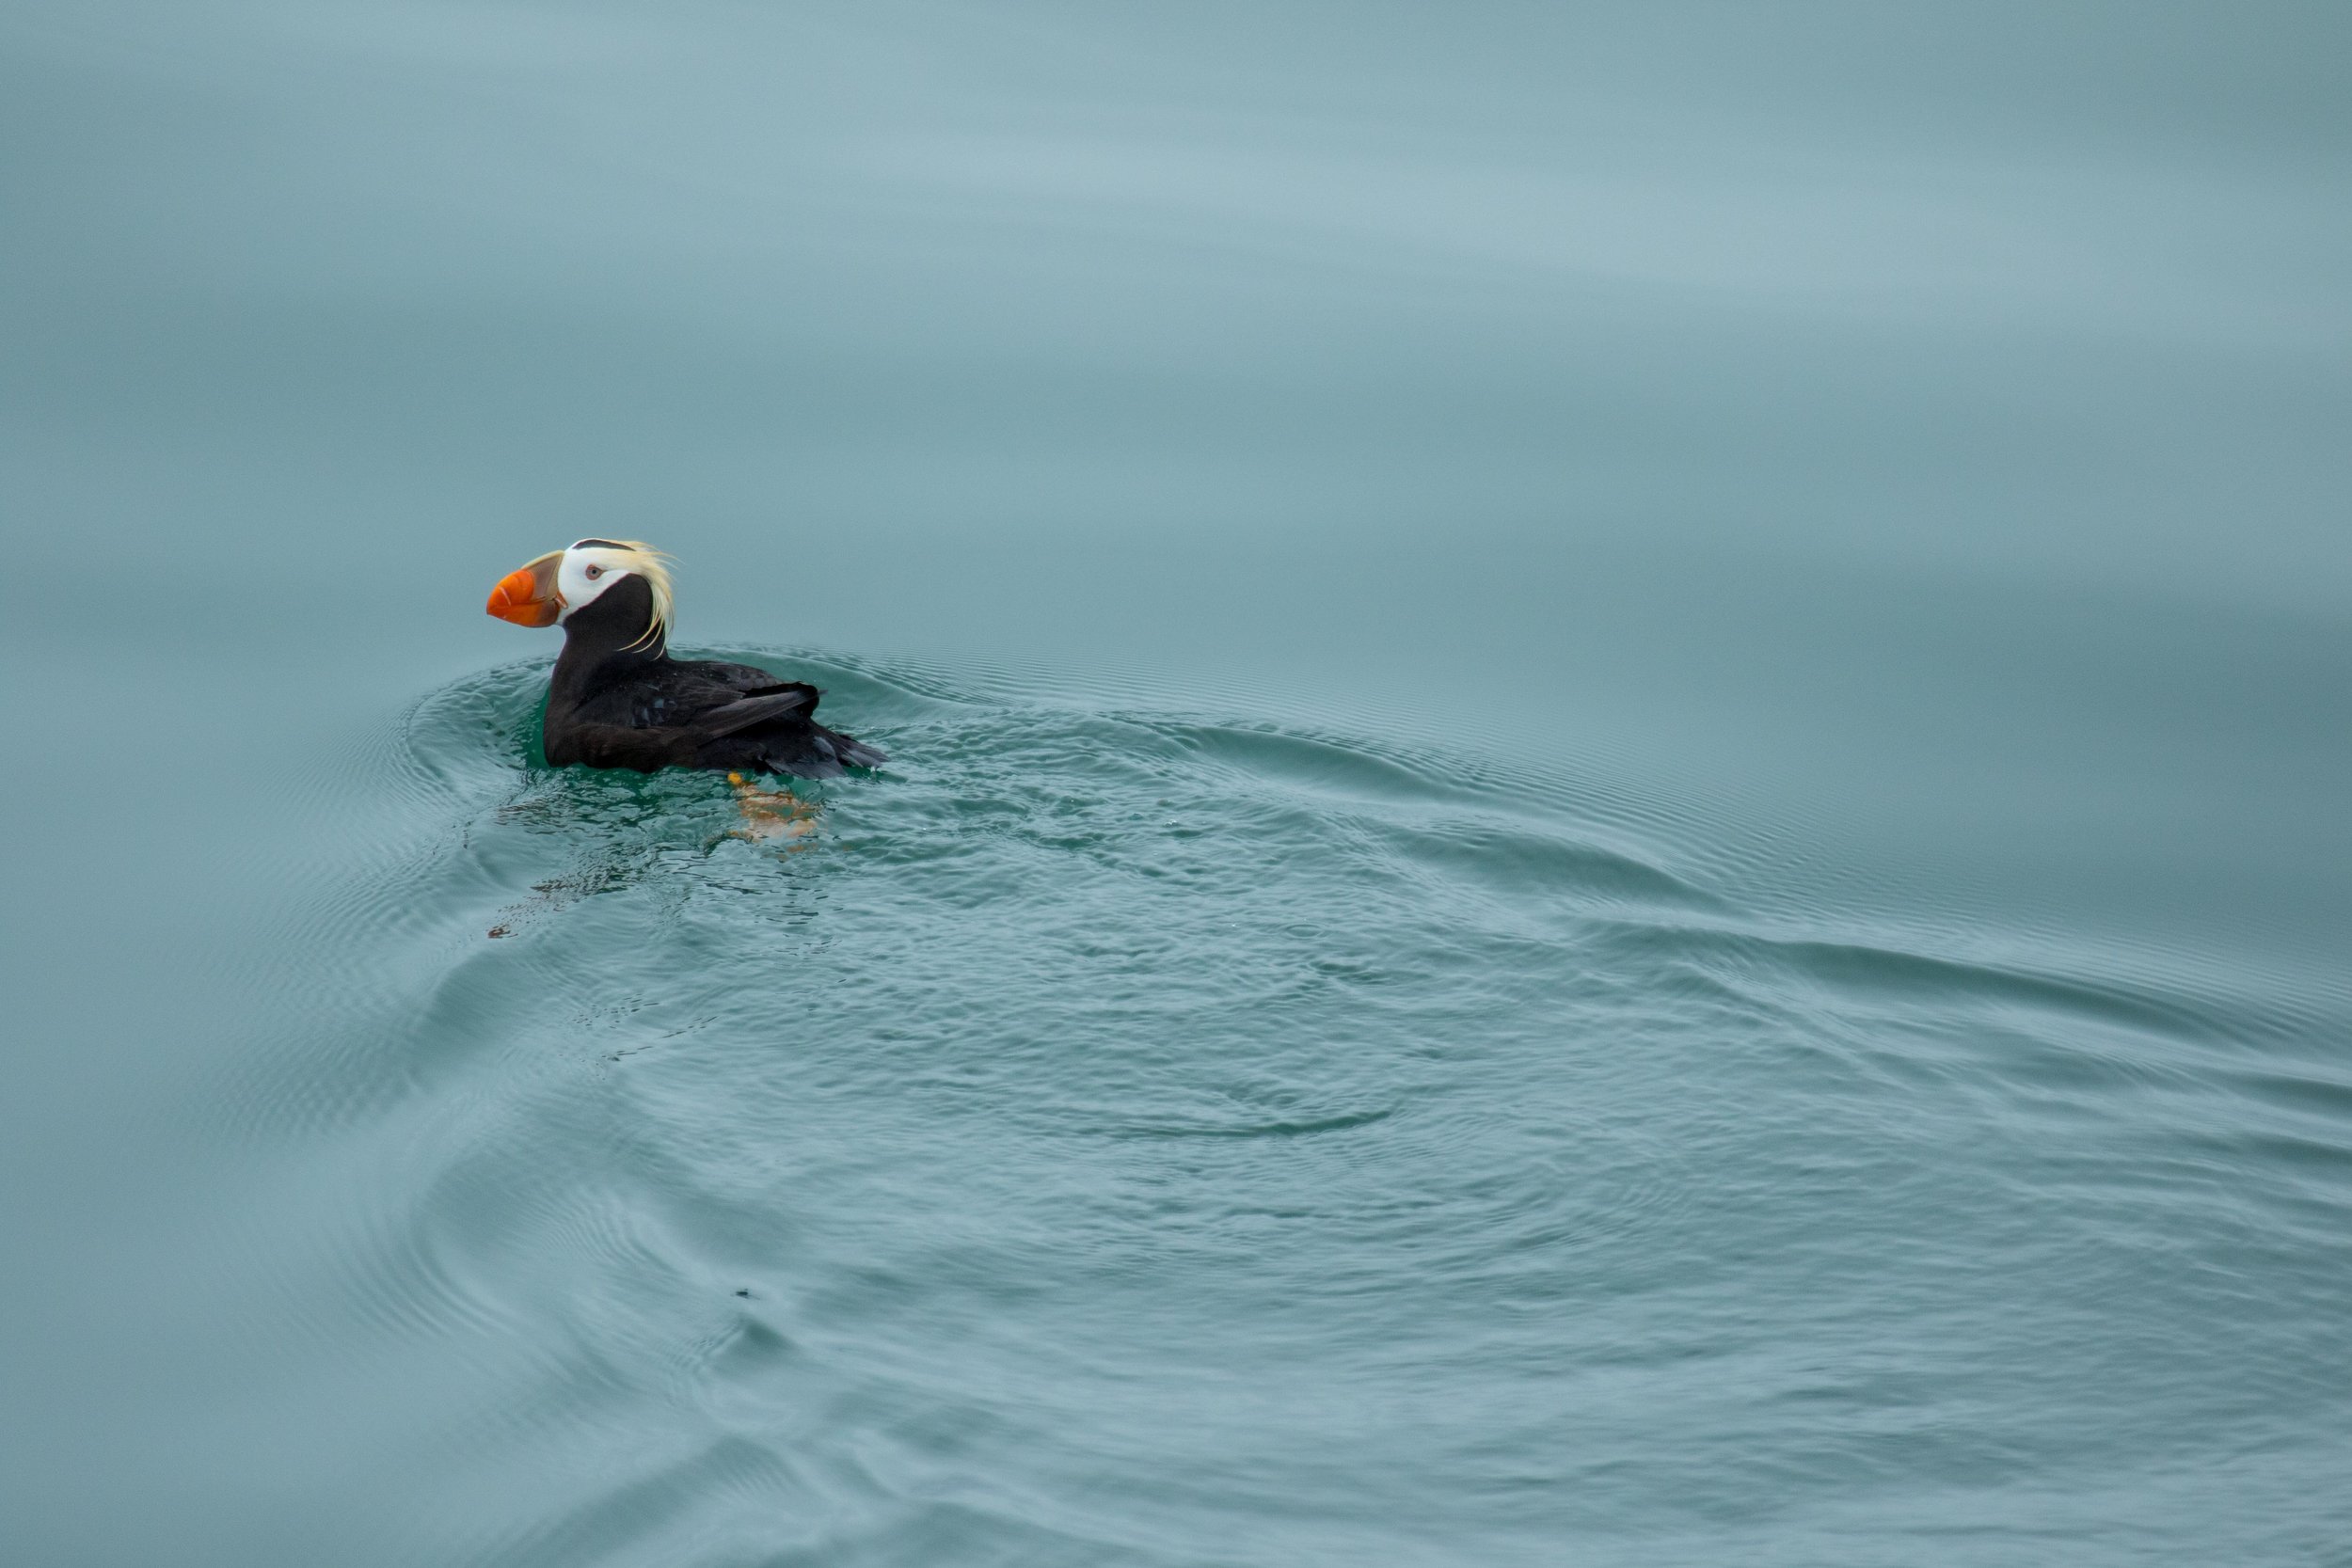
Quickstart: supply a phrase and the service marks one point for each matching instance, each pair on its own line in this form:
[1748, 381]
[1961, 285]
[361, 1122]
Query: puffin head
[551, 590]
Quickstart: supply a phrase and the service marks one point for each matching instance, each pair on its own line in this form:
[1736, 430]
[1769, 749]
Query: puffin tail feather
[854, 753]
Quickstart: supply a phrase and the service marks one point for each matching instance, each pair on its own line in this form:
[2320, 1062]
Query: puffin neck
[609, 633]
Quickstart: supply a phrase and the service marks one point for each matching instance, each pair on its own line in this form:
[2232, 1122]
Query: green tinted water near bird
[1614, 833]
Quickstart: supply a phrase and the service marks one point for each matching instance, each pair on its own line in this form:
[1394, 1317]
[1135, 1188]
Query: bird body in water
[618, 700]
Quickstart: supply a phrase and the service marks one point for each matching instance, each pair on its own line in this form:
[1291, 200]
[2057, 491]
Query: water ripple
[1238, 1112]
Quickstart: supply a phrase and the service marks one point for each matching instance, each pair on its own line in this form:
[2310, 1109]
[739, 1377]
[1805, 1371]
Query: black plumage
[618, 700]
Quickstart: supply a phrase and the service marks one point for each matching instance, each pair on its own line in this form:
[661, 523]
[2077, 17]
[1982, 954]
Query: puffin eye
[595, 572]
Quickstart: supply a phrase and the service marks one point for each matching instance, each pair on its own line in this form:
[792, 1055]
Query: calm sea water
[1617, 831]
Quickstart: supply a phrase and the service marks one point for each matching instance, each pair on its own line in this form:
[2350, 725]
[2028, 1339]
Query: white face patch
[587, 571]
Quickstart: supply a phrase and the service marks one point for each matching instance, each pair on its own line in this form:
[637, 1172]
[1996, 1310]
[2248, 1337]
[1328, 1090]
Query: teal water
[1616, 833]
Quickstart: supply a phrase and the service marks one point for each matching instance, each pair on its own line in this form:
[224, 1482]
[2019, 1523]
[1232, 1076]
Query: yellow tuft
[654, 567]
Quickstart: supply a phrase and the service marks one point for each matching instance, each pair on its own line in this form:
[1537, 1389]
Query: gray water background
[1620, 826]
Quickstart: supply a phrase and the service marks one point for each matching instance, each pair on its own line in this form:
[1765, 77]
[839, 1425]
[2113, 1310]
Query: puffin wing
[749, 679]
[742, 714]
[708, 714]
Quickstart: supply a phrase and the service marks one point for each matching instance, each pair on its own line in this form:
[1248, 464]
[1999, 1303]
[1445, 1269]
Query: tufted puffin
[618, 700]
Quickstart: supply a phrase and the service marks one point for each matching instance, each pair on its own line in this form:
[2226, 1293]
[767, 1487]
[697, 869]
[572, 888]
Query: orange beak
[527, 595]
